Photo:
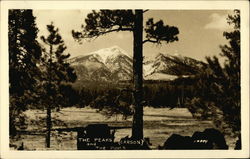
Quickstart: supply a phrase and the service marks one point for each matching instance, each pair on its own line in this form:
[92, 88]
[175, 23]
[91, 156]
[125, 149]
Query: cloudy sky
[201, 32]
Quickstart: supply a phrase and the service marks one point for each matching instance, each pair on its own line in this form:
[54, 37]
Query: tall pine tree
[56, 71]
[24, 56]
[107, 21]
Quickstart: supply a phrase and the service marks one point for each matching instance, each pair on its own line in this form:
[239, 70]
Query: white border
[190, 5]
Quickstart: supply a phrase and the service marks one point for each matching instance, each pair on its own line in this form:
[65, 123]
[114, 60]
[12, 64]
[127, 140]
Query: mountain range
[115, 64]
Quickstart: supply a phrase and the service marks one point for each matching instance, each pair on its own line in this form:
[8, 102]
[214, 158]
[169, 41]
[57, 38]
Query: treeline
[156, 94]
[167, 94]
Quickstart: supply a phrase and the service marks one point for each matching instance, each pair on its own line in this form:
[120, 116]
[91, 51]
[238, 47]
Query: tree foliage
[106, 21]
[218, 87]
[24, 54]
[158, 32]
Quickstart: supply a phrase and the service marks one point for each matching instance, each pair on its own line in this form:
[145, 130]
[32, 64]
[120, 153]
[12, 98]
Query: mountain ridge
[115, 64]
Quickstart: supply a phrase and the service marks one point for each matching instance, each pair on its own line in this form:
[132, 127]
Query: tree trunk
[137, 127]
[48, 121]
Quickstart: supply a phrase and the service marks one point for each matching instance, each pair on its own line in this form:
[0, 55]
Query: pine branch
[149, 40]
[87, 35]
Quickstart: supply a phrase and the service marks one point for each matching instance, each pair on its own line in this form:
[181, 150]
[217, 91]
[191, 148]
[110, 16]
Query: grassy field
[159, 124]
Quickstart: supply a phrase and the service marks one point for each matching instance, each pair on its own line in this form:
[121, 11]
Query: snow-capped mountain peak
[105, 64]
[114, 64]
[111, 52]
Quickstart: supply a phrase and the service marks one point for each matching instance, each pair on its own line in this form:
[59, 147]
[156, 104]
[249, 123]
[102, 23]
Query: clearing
[159, 124]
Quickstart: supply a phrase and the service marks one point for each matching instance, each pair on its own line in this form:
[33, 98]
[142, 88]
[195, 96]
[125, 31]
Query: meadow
[159, 124]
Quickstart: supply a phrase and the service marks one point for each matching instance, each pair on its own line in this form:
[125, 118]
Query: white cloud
[217, 21]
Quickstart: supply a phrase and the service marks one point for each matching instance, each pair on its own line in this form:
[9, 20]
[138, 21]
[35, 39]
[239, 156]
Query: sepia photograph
[124, 78]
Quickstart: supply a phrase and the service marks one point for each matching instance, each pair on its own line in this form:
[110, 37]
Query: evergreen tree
[107, 21]
[218, 87]
[24, 56]
[56, 71]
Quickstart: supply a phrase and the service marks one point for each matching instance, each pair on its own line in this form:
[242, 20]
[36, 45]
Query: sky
[201, 32]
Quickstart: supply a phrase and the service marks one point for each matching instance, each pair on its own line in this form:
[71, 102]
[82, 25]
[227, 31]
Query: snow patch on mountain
[109, 53]
[148, 68]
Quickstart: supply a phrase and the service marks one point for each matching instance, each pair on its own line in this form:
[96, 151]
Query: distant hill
[114, 64]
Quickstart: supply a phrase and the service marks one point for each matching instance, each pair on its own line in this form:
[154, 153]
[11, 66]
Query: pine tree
[230, 83]
[24, 55]
[107, 21]
[56, 71]
[218, 87]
